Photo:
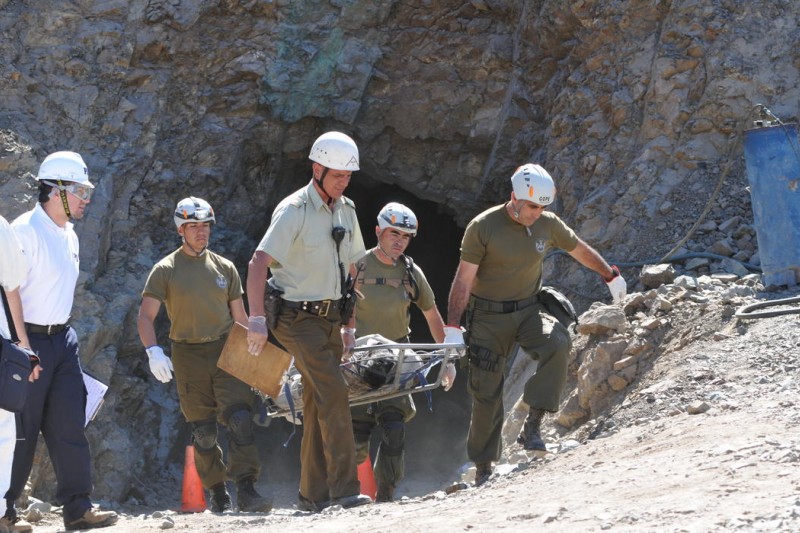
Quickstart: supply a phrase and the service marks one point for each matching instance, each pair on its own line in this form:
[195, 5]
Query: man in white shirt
[55, 404]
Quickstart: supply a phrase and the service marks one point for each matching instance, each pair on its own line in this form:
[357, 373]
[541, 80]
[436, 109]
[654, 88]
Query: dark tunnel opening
[435, 248]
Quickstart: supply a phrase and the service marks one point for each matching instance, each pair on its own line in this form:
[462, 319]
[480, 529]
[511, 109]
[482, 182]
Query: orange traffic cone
[193, 499]
[367, 478]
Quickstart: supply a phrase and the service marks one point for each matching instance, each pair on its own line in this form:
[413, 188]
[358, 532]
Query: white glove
[256, 334]
[257, 324]
[448, 376]
[160, 364]
[348, 341]
[617, 286]
[453, 335]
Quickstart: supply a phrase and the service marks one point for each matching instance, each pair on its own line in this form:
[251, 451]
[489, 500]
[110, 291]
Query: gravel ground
[706, 439]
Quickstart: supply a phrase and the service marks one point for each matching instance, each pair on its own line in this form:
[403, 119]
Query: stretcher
[378, 369]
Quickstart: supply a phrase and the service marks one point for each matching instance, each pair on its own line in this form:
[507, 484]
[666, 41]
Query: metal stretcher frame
[429, 354]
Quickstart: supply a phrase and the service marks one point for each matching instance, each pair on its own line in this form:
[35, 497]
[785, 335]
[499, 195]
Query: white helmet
[193, 209]
[532, 183]
[399, 217]
[336, 151]
[64, 166]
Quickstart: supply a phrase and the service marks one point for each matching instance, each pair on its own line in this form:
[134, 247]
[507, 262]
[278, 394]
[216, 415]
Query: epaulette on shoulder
[297, 201]
[348, 201]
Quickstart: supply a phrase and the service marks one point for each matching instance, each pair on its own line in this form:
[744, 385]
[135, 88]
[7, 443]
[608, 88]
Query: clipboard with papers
[264, 372]
[95, 393]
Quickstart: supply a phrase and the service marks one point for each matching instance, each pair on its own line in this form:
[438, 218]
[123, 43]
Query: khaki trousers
[327, 452]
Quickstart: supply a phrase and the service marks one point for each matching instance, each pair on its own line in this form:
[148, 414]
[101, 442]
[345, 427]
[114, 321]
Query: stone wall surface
[636, 107]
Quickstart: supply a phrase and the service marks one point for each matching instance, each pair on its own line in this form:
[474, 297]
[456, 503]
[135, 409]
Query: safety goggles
[202, 214]
[81, 192]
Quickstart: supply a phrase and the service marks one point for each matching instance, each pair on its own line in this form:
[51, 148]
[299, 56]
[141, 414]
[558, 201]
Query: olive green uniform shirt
[385, 307]
[509, 260]
[306, 263]
[197, 292]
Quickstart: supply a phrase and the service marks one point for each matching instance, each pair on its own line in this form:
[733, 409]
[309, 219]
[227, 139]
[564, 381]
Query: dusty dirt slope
[706, 440]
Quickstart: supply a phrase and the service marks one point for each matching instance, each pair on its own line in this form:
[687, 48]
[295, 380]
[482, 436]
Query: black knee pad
[204, 434]
[393, 433]
[240, 425]
[362, 430]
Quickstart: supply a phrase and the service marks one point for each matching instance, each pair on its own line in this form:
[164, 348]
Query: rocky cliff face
[636, 107]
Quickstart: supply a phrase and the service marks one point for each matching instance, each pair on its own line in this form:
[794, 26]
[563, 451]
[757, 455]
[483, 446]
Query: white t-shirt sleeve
[13, 267]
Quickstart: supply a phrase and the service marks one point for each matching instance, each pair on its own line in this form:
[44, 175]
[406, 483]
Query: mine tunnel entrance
[435, 439]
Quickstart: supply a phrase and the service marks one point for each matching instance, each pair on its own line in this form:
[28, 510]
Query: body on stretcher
[378, 369]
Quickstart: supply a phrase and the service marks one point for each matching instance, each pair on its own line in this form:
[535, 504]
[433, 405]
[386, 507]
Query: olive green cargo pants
[206, 393]
[492, 336]
[390, 459]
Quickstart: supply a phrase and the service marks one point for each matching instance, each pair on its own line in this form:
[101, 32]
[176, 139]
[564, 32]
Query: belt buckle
[509, 307]
[49, 329]
[324, 307]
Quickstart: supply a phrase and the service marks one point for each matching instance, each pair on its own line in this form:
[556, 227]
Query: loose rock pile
[618, 348]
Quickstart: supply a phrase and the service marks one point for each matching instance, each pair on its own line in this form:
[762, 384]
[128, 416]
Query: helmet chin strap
[63, 195]
[189, 246]
[387, 256]
[330, 200]
[516, 215]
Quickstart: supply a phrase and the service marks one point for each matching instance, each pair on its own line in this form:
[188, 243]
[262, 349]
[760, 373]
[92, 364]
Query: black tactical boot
[250, 501]
[530, 436]
[220, 499]
[483, 471]
[385, 493]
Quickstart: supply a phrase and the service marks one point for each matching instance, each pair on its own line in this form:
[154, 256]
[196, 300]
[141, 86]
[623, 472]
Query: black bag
[559, 306]
[15, 368]
[377, 372]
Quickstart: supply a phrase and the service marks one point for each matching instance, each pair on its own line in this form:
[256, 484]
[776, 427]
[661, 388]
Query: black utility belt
[482, 304]
[53, 329]
[316, 307]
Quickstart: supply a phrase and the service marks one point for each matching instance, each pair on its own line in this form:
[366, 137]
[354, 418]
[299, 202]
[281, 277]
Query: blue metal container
[772, 158]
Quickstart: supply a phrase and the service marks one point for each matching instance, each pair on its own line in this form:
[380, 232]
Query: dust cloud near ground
[706, 439]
